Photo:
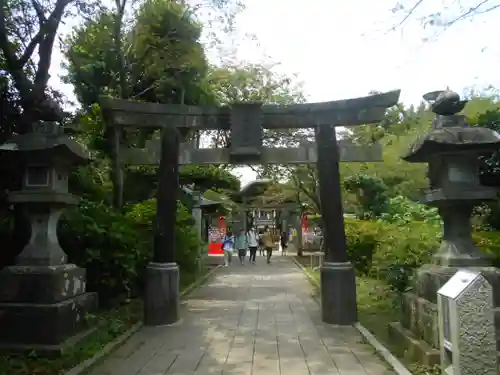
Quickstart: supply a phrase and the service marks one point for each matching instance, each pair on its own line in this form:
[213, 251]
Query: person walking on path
[261, 244]
[241, 244]
[253, 244]
[228, 247]
[284, 242]
[267, 240]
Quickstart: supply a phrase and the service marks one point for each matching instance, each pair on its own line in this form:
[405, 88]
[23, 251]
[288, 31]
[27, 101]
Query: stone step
[414, 350]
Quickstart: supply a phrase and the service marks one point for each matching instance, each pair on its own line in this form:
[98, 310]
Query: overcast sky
[341, 49]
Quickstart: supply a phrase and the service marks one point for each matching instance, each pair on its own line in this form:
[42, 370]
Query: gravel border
[84, 366]
[395, 363]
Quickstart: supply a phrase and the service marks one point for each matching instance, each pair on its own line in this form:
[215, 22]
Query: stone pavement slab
[248, 320]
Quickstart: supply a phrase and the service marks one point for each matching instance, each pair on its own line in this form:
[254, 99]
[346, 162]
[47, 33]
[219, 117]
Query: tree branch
[21, 82]
[472, 10]
[120, 11]
[46, 46]
[39, 12]
[301, 186]
[407, 16]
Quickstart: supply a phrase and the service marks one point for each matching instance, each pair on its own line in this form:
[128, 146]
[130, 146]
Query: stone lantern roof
[453, 140]
[48, 138]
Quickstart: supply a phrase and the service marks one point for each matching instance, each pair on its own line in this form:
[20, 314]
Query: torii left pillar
[161, 302]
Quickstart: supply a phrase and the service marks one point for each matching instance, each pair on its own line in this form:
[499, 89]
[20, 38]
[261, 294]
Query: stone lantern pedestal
[451, 150]
[43, 301]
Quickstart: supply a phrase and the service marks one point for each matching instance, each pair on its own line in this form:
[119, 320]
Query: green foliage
[92, 131]
[379, 248]
[254, 82]
[91, 54]
[164, 43]
[361, 239]
[163, 61]
[187, 245]
[490, 243]
[206, 177]
[115, 248]
[141, 181]
[402, 210]
[490, 171]
[109, 245]
[371, 193]
[391, 251]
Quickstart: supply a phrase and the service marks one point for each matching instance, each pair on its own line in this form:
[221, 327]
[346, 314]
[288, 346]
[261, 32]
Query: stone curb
[84, 366]
[111, 346]
[367, 335]
[382, 351]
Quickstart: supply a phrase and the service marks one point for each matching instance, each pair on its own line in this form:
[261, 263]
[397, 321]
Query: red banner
[305, 223]
[216, 235]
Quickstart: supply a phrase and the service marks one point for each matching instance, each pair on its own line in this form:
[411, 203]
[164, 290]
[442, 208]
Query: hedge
[115, 248]
[390, 251]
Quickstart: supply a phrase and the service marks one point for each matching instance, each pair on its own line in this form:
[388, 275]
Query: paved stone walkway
[248, 320]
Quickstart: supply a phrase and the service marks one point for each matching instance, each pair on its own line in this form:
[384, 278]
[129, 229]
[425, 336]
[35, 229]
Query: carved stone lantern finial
[445, 103]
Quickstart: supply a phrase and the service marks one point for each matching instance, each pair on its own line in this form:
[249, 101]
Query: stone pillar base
[43, 307]
[338, 293]
[161, 300]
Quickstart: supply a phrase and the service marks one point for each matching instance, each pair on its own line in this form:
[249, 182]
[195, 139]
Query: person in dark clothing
[261, 243]
[284, 242]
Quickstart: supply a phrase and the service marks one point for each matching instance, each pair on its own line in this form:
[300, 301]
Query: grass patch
[375, 302]
[377, 308]
[112, 323]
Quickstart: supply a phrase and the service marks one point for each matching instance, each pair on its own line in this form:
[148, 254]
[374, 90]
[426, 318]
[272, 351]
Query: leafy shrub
[408, 246]
[108, 245]
[371, 194]
[115, 248]
[187, 245]
[403, 210]
[489, 242]
[361, 236]
[390, 251]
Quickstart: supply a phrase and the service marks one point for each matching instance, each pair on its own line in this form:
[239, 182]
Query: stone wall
[417, 332]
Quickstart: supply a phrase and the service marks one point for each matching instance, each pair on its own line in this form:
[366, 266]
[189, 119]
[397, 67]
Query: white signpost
[466, 325]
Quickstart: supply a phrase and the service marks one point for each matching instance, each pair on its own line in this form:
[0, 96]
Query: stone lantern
[43, 300]
[452, 150]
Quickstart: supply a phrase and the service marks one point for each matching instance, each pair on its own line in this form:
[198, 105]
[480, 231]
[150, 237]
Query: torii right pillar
[338, 280]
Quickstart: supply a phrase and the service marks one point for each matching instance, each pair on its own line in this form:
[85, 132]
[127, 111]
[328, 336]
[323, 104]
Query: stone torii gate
[246, 122]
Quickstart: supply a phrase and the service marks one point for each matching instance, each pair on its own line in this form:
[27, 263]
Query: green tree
[161, 61]
[371, 193]
[253, 82]
[28, 32]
